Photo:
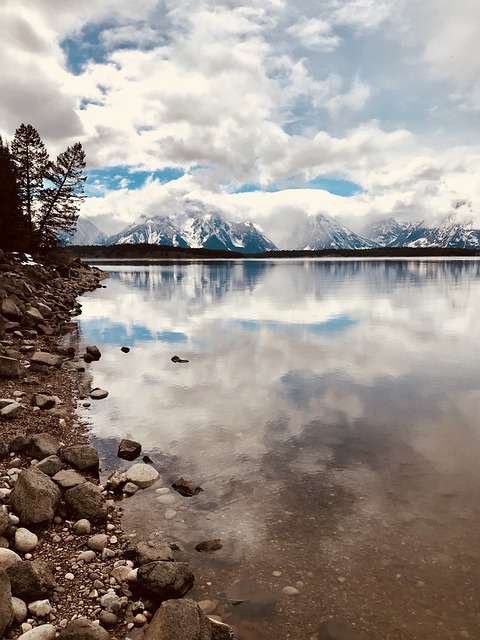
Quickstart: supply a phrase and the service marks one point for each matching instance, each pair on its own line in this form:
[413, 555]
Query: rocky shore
[66, 568]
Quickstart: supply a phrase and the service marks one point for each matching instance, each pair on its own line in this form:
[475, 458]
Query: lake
[330, 410]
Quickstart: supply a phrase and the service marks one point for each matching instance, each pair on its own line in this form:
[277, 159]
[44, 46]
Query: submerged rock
[179, 620]
[186, 487]
[129, 449]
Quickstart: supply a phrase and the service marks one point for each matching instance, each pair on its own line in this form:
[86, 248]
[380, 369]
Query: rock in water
[338, 630]
[166, 580]
[129, 449]
[186, 487]
[178, 359]
[179, 620]
[143, 475]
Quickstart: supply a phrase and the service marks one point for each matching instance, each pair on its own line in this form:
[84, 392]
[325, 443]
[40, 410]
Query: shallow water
[330, 411]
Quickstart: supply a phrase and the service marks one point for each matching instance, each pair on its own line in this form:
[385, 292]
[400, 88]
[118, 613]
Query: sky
[267, 110]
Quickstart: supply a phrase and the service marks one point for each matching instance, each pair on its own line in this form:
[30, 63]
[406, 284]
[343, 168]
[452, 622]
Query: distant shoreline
[158, 252]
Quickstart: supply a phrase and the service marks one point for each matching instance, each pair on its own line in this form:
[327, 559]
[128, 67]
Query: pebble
[69, 576]
[86, 556]
[98, 542]
[167, 498]
[40, 608]
[170, 514]
[82, 527]
[139, 620]
[207, 606]
[277, 574]
[107, 619]
[290, 591]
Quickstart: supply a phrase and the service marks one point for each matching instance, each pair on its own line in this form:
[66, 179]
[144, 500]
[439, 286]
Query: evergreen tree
[14, 228]
[60, 202]
[31, 160]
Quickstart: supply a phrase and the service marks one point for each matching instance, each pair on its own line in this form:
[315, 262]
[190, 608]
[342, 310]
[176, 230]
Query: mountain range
[196, 228]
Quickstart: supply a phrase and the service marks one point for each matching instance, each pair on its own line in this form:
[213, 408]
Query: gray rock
[129, 449]
[186, 487]
[44, 309]
[143, 475]
[11, 410]
[116, 481]
[10, 310]
[42, 632]
[10, 368]
[82, 527]
[25, 541]
[98, 394]
[42, 401]
[20, 610]
[98, 542]
[35, 497]
[32, 317]
[68, 478]
[166, 580]
[50, 465]
[335, 629]
[111, 602]
[154, 549]
[40, 608]
[3, 449]
[6, 609]
[107, 619]
[42, 445]
[45, 358]
[5, 522]
[83, 629]
[31, 580]
[179, 620]
[7, 558]
[81, 456]
[86, 501]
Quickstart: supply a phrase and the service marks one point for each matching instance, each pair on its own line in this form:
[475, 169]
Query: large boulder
[35, 497]
[86, 501]
[81, 456]
[6, 609]
[42, 445]
[31, 580]
[7, 558]
[42, 632]
[10, 367]
[45, 358]
[179, 620]
[154, 549]
[166, 580]
[83, 629]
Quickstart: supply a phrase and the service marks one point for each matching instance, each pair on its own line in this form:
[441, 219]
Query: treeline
[154, 251]
[39, 198]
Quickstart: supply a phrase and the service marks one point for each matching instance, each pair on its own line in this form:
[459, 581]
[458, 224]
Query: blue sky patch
[336, 186]
[114, 178]
[96, 330]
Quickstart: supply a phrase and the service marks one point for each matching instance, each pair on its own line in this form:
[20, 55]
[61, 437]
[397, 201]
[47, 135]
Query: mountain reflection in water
[330, 410]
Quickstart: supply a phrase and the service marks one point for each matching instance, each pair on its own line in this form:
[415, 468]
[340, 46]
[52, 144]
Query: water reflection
[326, 401]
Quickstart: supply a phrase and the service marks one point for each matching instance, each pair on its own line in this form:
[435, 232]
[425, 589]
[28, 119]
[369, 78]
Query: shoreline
[91, 574]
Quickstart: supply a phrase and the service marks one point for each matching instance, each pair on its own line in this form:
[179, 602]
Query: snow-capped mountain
[449, 234]
[323, 232]
[86, 233]
[195, 228]
[390, 233]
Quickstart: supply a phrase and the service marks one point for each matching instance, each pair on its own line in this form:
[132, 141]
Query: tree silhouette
[14, 227]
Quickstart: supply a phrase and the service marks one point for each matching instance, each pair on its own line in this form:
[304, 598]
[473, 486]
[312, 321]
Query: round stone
[143, 475]
[98, 542]
[82, 527]
[25, 540]
[98, 394]
[290, 591]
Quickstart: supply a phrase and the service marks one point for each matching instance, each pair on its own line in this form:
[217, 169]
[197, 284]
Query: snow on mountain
[390, 233]
[323, 232]
[145, 230]
[195, 228]
[451, 234]
[86, 233]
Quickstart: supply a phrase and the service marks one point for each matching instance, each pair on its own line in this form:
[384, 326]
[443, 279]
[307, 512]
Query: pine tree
[31, 160]
[14, 228]
[60, 203]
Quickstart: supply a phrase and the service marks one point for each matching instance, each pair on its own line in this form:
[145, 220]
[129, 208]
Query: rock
[94, 351]
[82, 527]
[3, 449]
[83, 629]
[25, 540]
[10, 368]
[50, 465]
[86, 501]
[41, 446]
[129, 449]
[42, 632]
[251, 599]
[43, 401]
[186, 487]
[5, 522]
[86, 556]
[31, 580]
[116, 481]
[45, 358]
[130, 489]
[107, 619]
[18, 444]
[7, 558]
[143, 475]
[209, 546]
[111, 602]
[335, 629]
[35, 497]
[40, 608]
[178, 359]
[6, 609]
[98, 394]
[81, 456]
[10, 310]
[121, 573]
[154, 549]
[20, 610]
[11, 410]
[166, 580]
[45, 310]
[98, 542]
[125, 349]
[290, 591]
[67, 478]
[220, 630]
[179, 620]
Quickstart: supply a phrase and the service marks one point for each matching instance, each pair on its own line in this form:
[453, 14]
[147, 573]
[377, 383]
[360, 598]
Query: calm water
[331, 412]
